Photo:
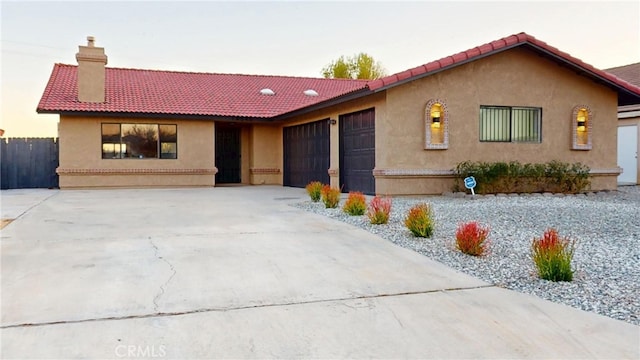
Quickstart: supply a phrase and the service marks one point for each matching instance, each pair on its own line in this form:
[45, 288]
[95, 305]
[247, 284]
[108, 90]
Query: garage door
[306, 153]
[358, 151]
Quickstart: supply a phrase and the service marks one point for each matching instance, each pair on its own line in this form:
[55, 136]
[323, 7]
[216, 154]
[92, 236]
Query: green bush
[419, 220]
[514, 177]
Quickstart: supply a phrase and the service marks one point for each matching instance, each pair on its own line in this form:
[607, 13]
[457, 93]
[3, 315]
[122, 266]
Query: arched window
[436, 125]
[581, 127]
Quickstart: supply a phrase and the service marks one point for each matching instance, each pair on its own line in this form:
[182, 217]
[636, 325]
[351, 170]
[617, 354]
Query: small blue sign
[470, 182]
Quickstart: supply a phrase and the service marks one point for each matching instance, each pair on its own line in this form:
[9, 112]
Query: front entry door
[228, 155]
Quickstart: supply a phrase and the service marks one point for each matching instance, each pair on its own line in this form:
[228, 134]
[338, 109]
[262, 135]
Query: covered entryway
[306, 153]
[628, 154]
[358, 151]
[227, 154]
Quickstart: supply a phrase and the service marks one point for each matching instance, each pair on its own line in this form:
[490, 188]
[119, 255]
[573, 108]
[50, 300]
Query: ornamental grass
[552, 255]
[472, 238]
[314, 189]
[356, 204]
[419, 220]
[379, 210]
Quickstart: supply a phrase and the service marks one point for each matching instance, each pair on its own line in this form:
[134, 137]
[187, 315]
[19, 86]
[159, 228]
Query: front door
[228, 155]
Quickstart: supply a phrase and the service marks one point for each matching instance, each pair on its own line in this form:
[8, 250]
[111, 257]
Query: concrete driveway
[235, 272]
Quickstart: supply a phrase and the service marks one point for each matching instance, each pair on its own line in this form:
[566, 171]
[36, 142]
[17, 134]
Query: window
[510, 124]
[436, 125]
[139, 141]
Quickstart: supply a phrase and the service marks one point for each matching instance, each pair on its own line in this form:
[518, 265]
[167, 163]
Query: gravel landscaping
[606, 226]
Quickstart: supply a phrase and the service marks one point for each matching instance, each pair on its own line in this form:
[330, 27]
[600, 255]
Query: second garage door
[306, 153]
[358, 151]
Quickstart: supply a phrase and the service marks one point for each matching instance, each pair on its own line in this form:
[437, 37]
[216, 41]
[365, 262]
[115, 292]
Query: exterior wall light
[436, 125]
[582, 121]
[435, 116]
[333, 121]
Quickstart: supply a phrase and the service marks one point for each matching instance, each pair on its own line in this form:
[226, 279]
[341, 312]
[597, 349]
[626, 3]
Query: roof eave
[165, 116]
[324, 104]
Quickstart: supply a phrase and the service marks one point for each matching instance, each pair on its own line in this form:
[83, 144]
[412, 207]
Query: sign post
[470, 183]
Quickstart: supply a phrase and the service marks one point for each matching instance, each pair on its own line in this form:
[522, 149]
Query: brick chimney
[91, 69]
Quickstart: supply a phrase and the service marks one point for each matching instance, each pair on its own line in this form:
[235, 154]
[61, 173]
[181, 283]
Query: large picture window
[139, 141]
[510, 124]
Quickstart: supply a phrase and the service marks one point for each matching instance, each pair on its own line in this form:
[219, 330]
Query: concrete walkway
[234, 272]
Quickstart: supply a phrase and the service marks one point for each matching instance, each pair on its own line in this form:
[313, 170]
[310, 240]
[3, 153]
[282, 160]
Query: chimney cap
[91, 41]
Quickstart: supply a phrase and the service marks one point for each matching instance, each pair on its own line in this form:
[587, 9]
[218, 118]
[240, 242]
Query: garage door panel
[306, 153]
[357, 151]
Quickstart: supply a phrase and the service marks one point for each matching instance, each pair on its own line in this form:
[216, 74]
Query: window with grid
[510, 124]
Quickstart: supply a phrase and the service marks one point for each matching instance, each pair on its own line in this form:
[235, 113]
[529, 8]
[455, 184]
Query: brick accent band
[62, 171]
[595, 172]
[265, 171]
[412, 172]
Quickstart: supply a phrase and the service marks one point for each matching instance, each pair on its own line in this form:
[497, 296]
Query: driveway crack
[163, 286]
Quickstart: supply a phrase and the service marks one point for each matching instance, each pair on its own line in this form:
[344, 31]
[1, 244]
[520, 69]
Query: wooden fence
[28, 163]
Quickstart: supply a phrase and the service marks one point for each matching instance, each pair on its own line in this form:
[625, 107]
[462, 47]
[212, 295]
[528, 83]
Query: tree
[360, 66]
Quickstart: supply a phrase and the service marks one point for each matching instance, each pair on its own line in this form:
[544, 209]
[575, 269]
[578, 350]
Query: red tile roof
[233, 95]
[628, 92]
[630, 73]
[186, 93]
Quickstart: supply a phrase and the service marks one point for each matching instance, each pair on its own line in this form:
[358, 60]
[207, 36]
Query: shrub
[419, 220]
[314, 189]
[496, 177]
[330, 196]
[379, 210]
[472, 239]
[552, 255]
[356, 204]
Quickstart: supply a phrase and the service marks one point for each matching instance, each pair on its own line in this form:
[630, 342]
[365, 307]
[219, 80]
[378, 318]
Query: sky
[295, 38]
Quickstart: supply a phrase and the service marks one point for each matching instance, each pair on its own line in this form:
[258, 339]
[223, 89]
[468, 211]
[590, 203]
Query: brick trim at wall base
[412, 173]
[265, 171]
[93, 172]
[606, 172]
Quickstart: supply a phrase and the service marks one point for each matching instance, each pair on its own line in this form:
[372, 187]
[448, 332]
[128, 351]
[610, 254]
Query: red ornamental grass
[379, 210]
[552, 255]
[419, 220]
[314, 189]
[330, 196]
[472, 239]
[356, 204]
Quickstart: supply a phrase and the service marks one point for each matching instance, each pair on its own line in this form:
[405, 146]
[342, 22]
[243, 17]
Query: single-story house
[516, 98]
[628, 128]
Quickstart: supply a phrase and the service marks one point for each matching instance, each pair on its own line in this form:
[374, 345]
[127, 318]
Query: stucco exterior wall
[628, 122]
[82, 166]
[266, 155]
[512, 78]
